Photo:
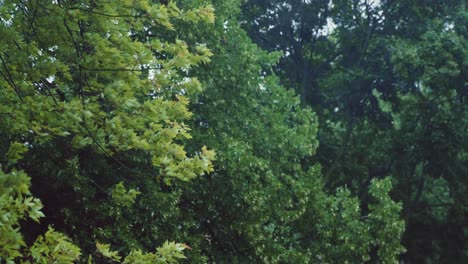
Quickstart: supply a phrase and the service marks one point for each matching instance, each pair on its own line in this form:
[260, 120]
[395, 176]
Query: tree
[265, 202]
[100, 95]
[298, 29]
[388, 84]
[77, 84]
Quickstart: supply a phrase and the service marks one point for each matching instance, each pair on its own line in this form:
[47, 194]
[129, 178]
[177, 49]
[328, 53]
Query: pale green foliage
[348, 238]
[386, 107]
[15, 204]
[384, 216]
[169, 252]
[92, 83]
[122, 196]
[74, 71]
[104, 249]
[54, 247]
[15, 152]
[346, 234]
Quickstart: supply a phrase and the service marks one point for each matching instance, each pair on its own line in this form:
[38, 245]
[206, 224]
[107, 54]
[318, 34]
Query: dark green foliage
[265, 201]
[388, 83]
[95, 114]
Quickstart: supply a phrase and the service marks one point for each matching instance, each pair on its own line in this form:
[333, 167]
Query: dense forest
[233, 131]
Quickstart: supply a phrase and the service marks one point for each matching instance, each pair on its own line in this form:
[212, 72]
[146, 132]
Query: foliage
[169, 252]
[76, 80]
[122, 197]
[385, 211]
[265, 201]
[54, 247]
[388, 82]
[16, 204]
[95, 109]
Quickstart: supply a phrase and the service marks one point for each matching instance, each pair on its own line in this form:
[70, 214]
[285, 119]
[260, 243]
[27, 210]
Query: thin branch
[77, 47]
[49, 91]
[101, 13]
[119, 69]
[11, 81]
[107, 152]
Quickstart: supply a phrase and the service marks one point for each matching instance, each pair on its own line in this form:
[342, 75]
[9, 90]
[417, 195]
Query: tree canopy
[388, 82]
[232, 131]
[78, 84]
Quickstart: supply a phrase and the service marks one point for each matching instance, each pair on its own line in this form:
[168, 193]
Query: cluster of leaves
[15, 205]
[169, 252]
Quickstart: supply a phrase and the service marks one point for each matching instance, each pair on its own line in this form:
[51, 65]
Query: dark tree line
[388, 80]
